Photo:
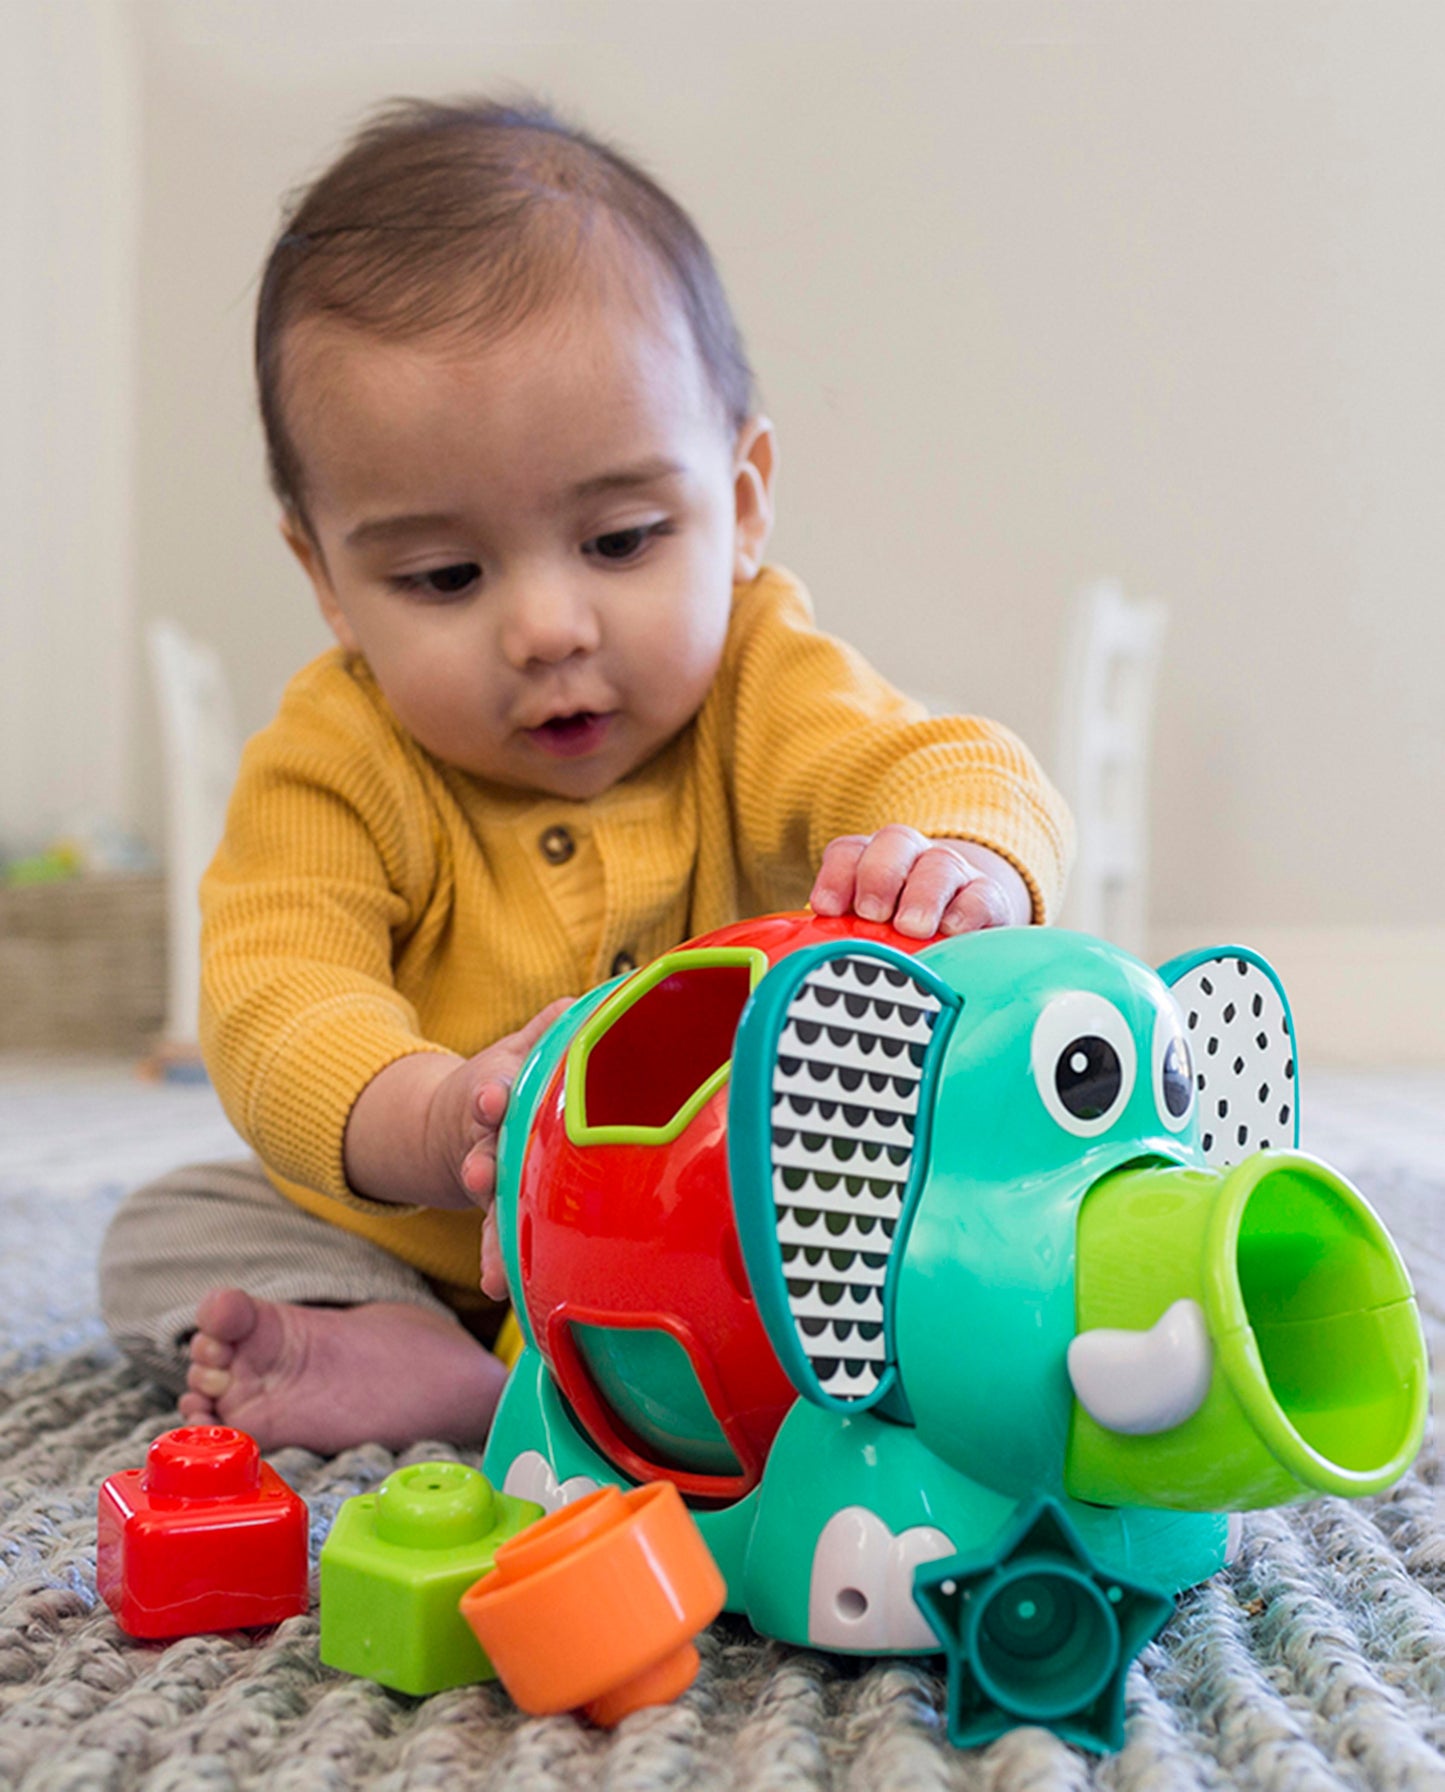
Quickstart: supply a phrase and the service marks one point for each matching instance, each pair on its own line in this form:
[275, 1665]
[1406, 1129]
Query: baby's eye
[623, 544]
[440, 581]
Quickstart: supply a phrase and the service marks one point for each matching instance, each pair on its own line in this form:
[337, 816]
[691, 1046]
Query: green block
[395, 1566]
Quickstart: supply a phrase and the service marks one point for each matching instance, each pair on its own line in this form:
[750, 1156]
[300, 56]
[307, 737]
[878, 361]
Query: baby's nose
[548, 620]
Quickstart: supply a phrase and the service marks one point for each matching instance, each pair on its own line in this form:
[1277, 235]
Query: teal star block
[1036, 1632]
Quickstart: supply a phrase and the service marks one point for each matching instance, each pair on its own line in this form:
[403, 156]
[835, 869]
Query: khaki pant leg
[224, 1225]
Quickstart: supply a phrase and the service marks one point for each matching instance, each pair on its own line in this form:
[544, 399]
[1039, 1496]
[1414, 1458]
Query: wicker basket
[83, 964]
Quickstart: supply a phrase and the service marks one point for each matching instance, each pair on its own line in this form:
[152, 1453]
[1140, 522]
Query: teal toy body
[394, 1567]
[1043, 1286]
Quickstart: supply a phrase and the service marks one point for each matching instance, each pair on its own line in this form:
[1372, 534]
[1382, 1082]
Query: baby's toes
[196, 1409]
[211, 1353]
[207, 1382]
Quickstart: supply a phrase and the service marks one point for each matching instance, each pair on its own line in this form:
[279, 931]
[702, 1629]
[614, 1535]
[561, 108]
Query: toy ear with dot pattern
[832, 1086]
[1241, 1038]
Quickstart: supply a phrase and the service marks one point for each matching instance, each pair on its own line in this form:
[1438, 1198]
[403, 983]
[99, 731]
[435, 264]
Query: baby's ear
[303, 545]
[755, 461]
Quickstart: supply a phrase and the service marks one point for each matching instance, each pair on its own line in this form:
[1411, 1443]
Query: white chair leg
[1103, 759]
[201, 749]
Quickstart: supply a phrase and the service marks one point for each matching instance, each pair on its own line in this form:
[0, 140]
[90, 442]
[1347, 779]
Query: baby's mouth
[570, 736]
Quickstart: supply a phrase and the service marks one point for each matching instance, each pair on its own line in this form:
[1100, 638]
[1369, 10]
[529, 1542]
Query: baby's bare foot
[331, 1377]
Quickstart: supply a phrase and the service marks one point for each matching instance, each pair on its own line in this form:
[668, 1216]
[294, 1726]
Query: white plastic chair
[1103, 758]
[202, 751]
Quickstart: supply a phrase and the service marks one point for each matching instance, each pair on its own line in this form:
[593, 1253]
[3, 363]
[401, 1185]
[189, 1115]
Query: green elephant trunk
[1318, 1380]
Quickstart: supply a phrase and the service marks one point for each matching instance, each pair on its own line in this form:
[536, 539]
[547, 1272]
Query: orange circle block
[596, 1605]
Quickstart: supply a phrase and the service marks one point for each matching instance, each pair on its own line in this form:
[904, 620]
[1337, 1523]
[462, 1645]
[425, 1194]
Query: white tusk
[1142, 1382]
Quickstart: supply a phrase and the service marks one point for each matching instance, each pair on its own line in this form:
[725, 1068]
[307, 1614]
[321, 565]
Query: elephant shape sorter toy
[964, 1291]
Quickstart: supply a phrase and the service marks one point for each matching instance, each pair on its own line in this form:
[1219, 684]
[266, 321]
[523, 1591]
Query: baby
[572, 718]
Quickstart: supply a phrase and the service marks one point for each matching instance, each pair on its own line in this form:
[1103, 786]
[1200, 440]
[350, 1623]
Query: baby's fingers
[489, 1103]
[981, 903]
[832, 892]
[937, 879]
[494, 1273]
[526, 1037]
[510, 1052]
[500, 1063]
[479, 1170]
[884, 869]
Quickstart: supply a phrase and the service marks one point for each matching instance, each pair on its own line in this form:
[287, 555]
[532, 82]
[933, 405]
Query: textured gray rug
[1317, 1661]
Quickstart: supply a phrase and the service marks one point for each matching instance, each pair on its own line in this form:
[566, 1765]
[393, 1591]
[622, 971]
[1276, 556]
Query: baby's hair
[469, 216]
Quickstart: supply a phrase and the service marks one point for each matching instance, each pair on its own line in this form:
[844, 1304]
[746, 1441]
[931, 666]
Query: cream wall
[69, 242]
[1036, 293]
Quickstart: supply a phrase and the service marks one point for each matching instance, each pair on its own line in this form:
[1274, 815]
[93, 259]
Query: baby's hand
[479, 1100]
[922, 886]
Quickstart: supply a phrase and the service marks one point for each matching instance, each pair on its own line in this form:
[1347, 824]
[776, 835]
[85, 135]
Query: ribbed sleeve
[301, 908]
[820, 746]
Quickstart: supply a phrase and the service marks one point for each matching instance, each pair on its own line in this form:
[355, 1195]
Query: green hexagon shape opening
[649, 1056]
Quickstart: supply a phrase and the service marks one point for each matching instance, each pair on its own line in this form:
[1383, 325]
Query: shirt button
[557, 846]
[623, 963]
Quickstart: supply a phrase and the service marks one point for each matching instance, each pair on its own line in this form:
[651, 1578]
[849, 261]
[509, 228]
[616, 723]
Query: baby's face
[533, 544]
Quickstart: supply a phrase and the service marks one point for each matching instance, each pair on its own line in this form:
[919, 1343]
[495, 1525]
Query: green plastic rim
[1313, 1317]
[1042, 1639]
[435, 1505]
[684, 962]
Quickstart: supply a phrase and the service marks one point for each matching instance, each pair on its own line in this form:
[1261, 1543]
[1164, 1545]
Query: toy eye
[1173, 1071]
[1084, 1061]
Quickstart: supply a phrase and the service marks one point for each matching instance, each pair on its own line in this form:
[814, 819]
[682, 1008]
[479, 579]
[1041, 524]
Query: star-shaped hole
[1036, 1632]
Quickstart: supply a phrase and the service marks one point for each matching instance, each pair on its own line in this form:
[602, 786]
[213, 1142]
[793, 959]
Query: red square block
[205, 1537]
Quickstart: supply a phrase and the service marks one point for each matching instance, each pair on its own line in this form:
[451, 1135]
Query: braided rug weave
[1316, 1662]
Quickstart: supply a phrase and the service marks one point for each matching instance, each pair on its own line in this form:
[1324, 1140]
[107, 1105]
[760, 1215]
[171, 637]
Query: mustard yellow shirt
[368, 901]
